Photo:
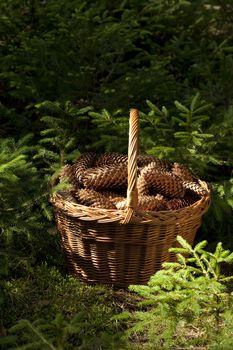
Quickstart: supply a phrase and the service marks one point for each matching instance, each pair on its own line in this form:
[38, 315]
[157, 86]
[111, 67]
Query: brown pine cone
[177, 203]
[146, 203]
[112, 196]
[109, 194]
[117, 200]
[151, 203]
[154, 166]
[81, 165]
[67, 171]
[67, 196]
[93, 198]
[110, 159]
[144, 160]
[194, 188]
[121, 205]
[164, 183]
[143, 186]
[182, 172]
[111, 176]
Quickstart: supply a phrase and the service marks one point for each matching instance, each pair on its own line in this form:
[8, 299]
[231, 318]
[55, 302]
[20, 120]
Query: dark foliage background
[70, 71]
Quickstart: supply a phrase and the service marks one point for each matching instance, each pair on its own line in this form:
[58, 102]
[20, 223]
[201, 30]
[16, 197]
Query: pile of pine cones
[101, 182]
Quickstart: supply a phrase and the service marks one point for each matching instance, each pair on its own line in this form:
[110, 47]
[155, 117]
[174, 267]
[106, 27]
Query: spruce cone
[182, 172]
[81, 165]
[164, 183]
[109, 194]
[110, 159]
[67, 196]
[117, 200]
[153, 166]
[93, 198]
[121, 205]
[146, 203]
[112, 196]
[177, 203]
[151, 203]
[143, 161]
[143, 187]
[194, 188]
[67, 171]
[107, 177]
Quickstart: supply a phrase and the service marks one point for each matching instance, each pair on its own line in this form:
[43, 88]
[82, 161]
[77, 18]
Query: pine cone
[67, 171]
[151, 203]
[106, 177]
[112, 196]
[146, 203]
[121, 205]
[144, 160]
[182, 172]
[154, 166]
[109, 194]
[177, 203]
[142, 184]
[67, 196]
[117, 200]
[194, 188]
[81, 165]
[93, 198]
[110, 159]
[164, 183]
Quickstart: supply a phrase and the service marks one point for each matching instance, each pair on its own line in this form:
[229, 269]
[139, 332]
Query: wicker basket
[123, 247]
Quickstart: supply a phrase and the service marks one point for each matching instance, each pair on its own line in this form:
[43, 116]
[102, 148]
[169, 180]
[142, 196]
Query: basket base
[119, 255]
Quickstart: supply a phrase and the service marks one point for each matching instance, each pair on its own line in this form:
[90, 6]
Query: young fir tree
[188, 136]
[21, 187]
[64, 134]
[187, 303]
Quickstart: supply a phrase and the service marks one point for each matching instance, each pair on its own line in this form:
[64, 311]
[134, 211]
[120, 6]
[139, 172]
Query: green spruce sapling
[65, 130]
[187, 302]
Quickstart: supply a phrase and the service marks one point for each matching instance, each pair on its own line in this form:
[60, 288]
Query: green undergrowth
[48, 307]
[186, 305]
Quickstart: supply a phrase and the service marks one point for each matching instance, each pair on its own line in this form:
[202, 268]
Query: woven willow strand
[132, 191]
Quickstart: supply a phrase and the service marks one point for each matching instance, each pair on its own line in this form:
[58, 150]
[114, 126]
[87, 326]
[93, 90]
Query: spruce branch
[25, 324]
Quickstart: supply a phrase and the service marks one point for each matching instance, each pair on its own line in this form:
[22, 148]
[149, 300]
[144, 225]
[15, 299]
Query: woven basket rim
[101, 215]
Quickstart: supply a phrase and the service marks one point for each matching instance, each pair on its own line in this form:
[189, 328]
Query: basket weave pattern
[110, 238]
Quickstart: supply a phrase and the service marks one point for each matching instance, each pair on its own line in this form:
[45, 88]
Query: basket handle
[132, 191]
